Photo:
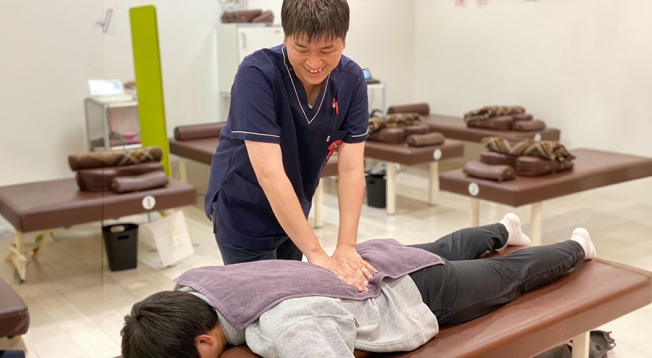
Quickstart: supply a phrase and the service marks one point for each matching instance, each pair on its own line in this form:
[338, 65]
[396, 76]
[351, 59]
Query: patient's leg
[471, 243]
[462, 290]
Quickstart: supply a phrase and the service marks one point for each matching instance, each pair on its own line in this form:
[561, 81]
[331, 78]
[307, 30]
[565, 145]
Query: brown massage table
[592, 169]
[593, 294]
[399, 153]
[14, 315]
[42, 206]
[198, 142]
[455, 127]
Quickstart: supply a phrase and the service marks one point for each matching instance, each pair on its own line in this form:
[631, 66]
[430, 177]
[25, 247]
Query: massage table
[455, 127]
[46, 205]
[594, 293]
[186, 145]
[592, 169]
[14, 315]
[399, 153]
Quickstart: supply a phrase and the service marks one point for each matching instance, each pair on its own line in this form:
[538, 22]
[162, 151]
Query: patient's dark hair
[166, 324]
[313, 20]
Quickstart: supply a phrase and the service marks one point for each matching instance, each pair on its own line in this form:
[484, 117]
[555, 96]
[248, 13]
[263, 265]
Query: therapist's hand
[342, 271]
[349, 257]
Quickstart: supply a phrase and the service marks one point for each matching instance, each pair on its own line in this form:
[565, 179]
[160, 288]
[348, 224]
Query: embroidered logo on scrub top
[333, 147]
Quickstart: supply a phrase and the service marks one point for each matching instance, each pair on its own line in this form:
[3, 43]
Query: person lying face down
[283, 308]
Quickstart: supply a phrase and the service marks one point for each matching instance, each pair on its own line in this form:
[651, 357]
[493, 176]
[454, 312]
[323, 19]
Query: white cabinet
[235, 41]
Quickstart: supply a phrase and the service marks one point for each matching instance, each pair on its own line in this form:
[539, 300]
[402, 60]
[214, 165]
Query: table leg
[434, 183]
[537, 220]
[475, 212]
[38, 251]
[17, 256]
[581, 345]
[319, 205]
[183, 170]
[391, 188]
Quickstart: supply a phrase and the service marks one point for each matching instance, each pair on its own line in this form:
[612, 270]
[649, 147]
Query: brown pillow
[389, 135]
[99, 179]
[266, 16]
[526, 126]
[522, 117]
[485, 171]
[529, 166]
[240, 16]
[493, 158]
[421, 140]
[198, 131]
[421, 108]
[139, 182]
[416, 129]
[499, 123]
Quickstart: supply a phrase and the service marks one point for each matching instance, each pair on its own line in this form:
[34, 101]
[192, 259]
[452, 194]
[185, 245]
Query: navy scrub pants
[465, 288]
[232, 254]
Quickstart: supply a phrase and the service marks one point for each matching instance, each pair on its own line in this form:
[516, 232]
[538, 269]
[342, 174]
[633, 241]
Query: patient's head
[172, 324]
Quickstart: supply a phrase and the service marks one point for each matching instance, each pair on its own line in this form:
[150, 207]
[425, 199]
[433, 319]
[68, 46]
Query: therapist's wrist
[316, 255]
[346, 246]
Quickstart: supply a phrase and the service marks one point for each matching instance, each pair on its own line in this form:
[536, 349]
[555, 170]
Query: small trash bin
[121, 243]
[376, 188]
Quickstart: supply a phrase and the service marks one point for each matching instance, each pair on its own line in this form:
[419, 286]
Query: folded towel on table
[487, 112]
[114, 158]
[550, 150]
[394, 120]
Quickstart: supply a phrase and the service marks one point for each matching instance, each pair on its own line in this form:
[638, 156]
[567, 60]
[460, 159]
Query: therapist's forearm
[288, 212]
[350, 192]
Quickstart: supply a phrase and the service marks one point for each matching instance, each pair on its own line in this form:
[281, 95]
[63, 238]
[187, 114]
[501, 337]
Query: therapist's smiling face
[313, 61]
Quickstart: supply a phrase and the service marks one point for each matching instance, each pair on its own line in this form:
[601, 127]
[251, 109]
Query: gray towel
[243, 292]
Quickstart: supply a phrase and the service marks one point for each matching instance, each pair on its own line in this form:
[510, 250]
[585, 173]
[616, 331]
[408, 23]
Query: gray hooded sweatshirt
[287, 310]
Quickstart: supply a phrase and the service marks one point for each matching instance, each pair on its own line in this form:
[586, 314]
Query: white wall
[51, 51]
[54, 50]
[48, 50]
[582, 66]
[188, 56]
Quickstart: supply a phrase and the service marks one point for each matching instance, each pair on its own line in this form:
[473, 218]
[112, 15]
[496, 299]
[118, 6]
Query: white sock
[516, 236]
[581, 236]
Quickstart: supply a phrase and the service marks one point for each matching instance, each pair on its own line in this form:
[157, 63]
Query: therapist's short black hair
[165, 325]
[313, 20]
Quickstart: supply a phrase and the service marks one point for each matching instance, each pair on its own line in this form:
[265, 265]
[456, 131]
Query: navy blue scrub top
[264, 108]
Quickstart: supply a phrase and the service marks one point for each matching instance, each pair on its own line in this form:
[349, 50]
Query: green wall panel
[149, 81]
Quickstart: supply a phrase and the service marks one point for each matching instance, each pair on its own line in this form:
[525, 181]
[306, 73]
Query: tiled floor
[77, 305]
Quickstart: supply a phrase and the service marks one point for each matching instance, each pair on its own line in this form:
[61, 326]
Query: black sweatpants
[465, 288]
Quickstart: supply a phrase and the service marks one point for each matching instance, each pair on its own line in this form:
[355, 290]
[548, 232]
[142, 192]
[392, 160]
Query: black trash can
[376, 188]
[121, 243]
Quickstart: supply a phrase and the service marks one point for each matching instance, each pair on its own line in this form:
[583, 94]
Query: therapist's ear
[285, 41]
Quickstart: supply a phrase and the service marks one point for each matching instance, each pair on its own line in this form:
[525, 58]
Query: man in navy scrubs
[292, 107]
